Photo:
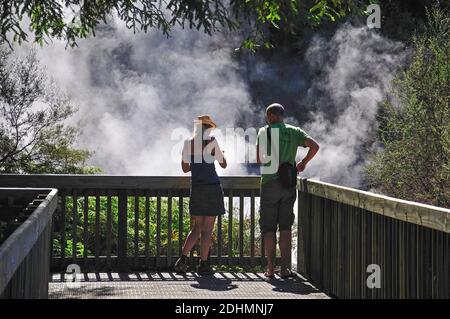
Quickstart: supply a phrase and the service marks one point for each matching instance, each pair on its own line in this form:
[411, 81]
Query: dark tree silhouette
[73, 19]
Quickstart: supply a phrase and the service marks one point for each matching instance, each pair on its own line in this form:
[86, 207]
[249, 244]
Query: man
[277, 200]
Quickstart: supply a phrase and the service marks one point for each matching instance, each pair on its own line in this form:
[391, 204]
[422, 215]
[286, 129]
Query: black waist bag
[288, 175]
[286, 171]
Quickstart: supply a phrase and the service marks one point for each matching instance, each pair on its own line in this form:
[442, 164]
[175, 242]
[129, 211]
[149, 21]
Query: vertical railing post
[85, 230]
[180, 225]
[158, 229]
[108, 229]
[74, 226]
[63, 229]
[169, 229]
[136, 228]
[300, 249]
[230, 227]
[241, 230]
[147, 228]
[122, 236]
[97, 229]
[252, 229]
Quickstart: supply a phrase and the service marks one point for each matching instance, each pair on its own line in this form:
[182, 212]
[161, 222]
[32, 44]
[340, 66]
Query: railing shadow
[219, 282]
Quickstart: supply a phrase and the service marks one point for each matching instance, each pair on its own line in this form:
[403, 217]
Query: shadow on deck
[168, 285]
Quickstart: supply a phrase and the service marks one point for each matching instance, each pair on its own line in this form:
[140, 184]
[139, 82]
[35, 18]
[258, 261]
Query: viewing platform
[123, 234]
[168, 285]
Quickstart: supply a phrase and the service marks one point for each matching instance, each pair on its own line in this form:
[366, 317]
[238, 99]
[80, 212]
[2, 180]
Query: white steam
[353, 73]
[133, 90]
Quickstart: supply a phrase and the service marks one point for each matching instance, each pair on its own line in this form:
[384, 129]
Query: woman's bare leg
[193, 235]
[206, 235]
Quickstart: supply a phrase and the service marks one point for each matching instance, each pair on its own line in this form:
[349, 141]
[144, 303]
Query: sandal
[288, 275]
[266, 274]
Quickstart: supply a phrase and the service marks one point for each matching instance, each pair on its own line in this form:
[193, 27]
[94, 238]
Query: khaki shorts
[277, 207]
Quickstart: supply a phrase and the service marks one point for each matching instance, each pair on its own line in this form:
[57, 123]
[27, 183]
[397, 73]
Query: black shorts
[206, 200]
[276, 207]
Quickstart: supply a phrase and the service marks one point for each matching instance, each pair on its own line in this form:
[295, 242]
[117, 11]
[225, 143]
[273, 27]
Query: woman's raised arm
[219, 155]
[185, 166]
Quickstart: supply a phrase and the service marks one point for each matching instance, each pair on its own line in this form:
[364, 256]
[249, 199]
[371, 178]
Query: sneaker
[181, 265]
[204, 268]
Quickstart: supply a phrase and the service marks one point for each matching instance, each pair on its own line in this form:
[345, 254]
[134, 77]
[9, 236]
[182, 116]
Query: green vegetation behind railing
[98, 227]
[89, 246]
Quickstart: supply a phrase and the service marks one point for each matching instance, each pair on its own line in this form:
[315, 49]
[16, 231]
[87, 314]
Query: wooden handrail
[345, 235]
[119, 182]
[412, 212]
[71, 226]
[18, 247]
[340, 230]
[425, 215]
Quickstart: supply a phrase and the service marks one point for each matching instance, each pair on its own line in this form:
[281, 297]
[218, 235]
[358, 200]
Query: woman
[206, 200]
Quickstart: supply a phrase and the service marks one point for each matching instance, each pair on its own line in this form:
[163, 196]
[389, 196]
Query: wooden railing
[25, 252]
[341, 231]
[133, 222]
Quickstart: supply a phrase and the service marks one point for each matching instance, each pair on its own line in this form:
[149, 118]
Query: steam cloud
[357, 67]
[332, 92]
[133, 90]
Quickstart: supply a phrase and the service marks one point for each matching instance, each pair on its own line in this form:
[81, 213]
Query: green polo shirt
[290, 138]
